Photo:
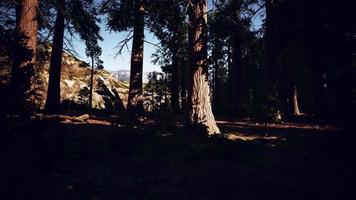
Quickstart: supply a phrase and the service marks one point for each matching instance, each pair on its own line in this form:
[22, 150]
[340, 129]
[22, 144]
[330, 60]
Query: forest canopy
[263, 60]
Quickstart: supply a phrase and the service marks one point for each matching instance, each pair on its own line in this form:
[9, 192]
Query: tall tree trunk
[284, 86]
[53, 102]
[216, 90]
[317, 62]
[201, 117]
[237, 73]
[270, 66]
[183, 87]
[91, 84]
[135, 100]
[175, 78]
[24, 56]
[230, 75]
[295, 101]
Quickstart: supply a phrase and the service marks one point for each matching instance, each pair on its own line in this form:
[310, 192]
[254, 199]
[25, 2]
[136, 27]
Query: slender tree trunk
[24, 56]
[317, 63]
[53, 102]
[201, 117]
[230, 76]
[237, 73]
[91, 84]
[295, 101]
[270, 66]
[166, 104]
[135, 100]
[284, 86]
[186, 69]
[216, 91]
[183, 88]
[175, 79]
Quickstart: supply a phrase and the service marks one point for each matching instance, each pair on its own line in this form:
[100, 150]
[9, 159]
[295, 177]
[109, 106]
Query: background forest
[298, 63]
[253, 95]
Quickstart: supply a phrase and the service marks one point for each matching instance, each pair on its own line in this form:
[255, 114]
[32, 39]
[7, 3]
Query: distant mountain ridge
[124, 75]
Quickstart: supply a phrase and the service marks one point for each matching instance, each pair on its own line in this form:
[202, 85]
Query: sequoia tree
[24, 55]
[200, 114]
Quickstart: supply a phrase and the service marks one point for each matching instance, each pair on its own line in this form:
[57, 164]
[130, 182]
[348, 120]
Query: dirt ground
[61, 157]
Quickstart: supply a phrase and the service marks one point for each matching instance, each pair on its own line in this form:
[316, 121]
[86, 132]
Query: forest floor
[63, 157]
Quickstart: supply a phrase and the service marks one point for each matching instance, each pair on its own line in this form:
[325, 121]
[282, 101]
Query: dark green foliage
[84, 96]
[171, 28]
[120, 14]
[156, 92]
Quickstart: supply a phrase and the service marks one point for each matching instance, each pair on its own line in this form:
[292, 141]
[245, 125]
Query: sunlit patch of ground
[249, 137]
[79, 119]
[248, 124]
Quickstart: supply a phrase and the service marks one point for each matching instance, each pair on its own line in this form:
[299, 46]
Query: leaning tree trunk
[201, 117]
[24, 56]
[53, 102]
[135, 100]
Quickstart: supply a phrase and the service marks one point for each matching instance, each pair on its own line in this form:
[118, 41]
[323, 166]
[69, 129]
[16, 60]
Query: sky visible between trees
[114, 62]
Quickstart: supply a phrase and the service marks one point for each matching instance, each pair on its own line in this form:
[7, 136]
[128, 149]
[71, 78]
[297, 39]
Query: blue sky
[109, 50]
[111, 39]
[120, 62]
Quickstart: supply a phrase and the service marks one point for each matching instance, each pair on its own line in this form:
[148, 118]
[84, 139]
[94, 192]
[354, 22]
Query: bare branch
[156, 45]
[123, 43]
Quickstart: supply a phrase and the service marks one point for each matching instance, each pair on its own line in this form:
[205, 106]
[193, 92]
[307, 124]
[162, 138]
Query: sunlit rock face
[108, 92]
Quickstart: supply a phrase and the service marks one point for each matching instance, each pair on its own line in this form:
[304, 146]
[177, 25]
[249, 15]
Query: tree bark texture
[201, 117]
[295, 101]
[135, 99]
[24, 56]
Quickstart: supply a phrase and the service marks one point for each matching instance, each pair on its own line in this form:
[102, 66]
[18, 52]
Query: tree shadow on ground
[50, 159]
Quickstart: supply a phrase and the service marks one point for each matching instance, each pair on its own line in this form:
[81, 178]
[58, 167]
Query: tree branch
[123, 43]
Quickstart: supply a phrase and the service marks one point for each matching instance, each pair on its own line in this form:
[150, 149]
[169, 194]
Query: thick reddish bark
[135, 100]
[24, 56]
[201, 117]
[53, 101]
